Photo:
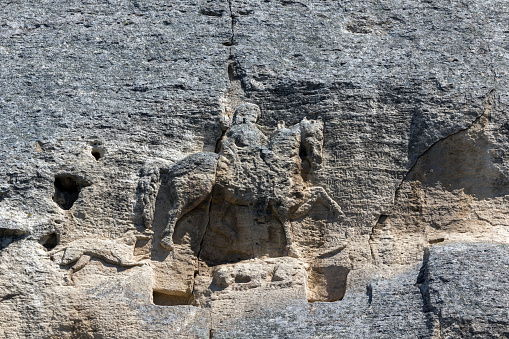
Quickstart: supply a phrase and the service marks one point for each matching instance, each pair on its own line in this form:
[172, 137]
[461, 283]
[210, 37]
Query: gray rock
[381, 137]
[464, 287]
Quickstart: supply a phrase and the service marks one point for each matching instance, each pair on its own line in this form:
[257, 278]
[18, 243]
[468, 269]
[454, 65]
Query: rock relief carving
[78, 253]
[268, 173]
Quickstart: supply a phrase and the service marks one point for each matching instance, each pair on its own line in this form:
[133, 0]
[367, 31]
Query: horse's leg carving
[173, 216]
[290, 248]
[148, 187]
[190, 183]
[313, 195]
[281, 214]
[82, 262]
[185, 203]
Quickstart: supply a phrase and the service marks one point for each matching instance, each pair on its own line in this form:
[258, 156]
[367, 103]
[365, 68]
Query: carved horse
[290, 155]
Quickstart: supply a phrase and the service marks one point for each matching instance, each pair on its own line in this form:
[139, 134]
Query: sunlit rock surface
[270, 169]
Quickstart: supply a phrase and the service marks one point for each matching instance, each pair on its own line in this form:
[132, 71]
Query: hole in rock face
[382, 218]
[242, 279]
[327, 283]
[165, 299]
[96, 154]
[228, 43]
[50, 241]
[8, 236]
[97, 150]
[67, 190]
[142, 247]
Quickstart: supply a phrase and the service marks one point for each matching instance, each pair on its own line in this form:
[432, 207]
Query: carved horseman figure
[250, 168]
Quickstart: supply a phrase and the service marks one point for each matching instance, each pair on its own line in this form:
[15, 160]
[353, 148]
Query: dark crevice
[436, 241]
[96, 155]
[8, 297]
[67, 189]
[3, 195]
[231, 71]
[369, 293]
[423, 282]
[219, 141]
[50, 241]
[235, 94]
[231, 40]
[97, 150]
[8, 236]
[232, 24]
[381, 219]
[211, 12]
[198, 255]
[8, 232]
[242, 279]
[235, 72]
[306, 166]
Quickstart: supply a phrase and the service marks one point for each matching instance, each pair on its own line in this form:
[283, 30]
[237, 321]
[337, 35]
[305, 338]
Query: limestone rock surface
[254, 169]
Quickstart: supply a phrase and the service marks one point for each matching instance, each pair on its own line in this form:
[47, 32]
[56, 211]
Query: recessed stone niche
[67, 189]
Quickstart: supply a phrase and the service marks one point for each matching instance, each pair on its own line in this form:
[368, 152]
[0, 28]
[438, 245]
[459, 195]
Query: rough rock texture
[254, 169]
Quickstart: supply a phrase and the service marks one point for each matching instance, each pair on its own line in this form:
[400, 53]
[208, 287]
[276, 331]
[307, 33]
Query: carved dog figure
[78, 253]
[288, 157]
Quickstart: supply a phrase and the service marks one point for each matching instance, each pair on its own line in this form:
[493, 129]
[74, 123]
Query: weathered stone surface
[253, 169]
[461, 286]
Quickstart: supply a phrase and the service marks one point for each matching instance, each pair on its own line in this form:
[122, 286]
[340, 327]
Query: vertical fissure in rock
[3, 195]
[198, 255]
[423, 281]
[206, 227]
[369, 293]
[381, 219]
[232, 25]
[235, 94]
[217, 149]
[231, 42]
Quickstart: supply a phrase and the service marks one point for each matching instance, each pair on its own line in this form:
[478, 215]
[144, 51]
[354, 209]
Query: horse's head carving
[311, 147]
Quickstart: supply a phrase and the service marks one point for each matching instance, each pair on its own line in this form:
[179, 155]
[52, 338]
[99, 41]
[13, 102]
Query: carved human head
[246, 113]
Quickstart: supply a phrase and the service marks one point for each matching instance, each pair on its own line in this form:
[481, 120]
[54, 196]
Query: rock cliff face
[268, 169]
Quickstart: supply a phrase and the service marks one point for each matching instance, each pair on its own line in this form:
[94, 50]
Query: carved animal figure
[250, 168]
[116, 252]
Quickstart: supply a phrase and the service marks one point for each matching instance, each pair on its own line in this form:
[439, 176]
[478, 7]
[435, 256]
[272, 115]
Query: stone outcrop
[228, 169]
